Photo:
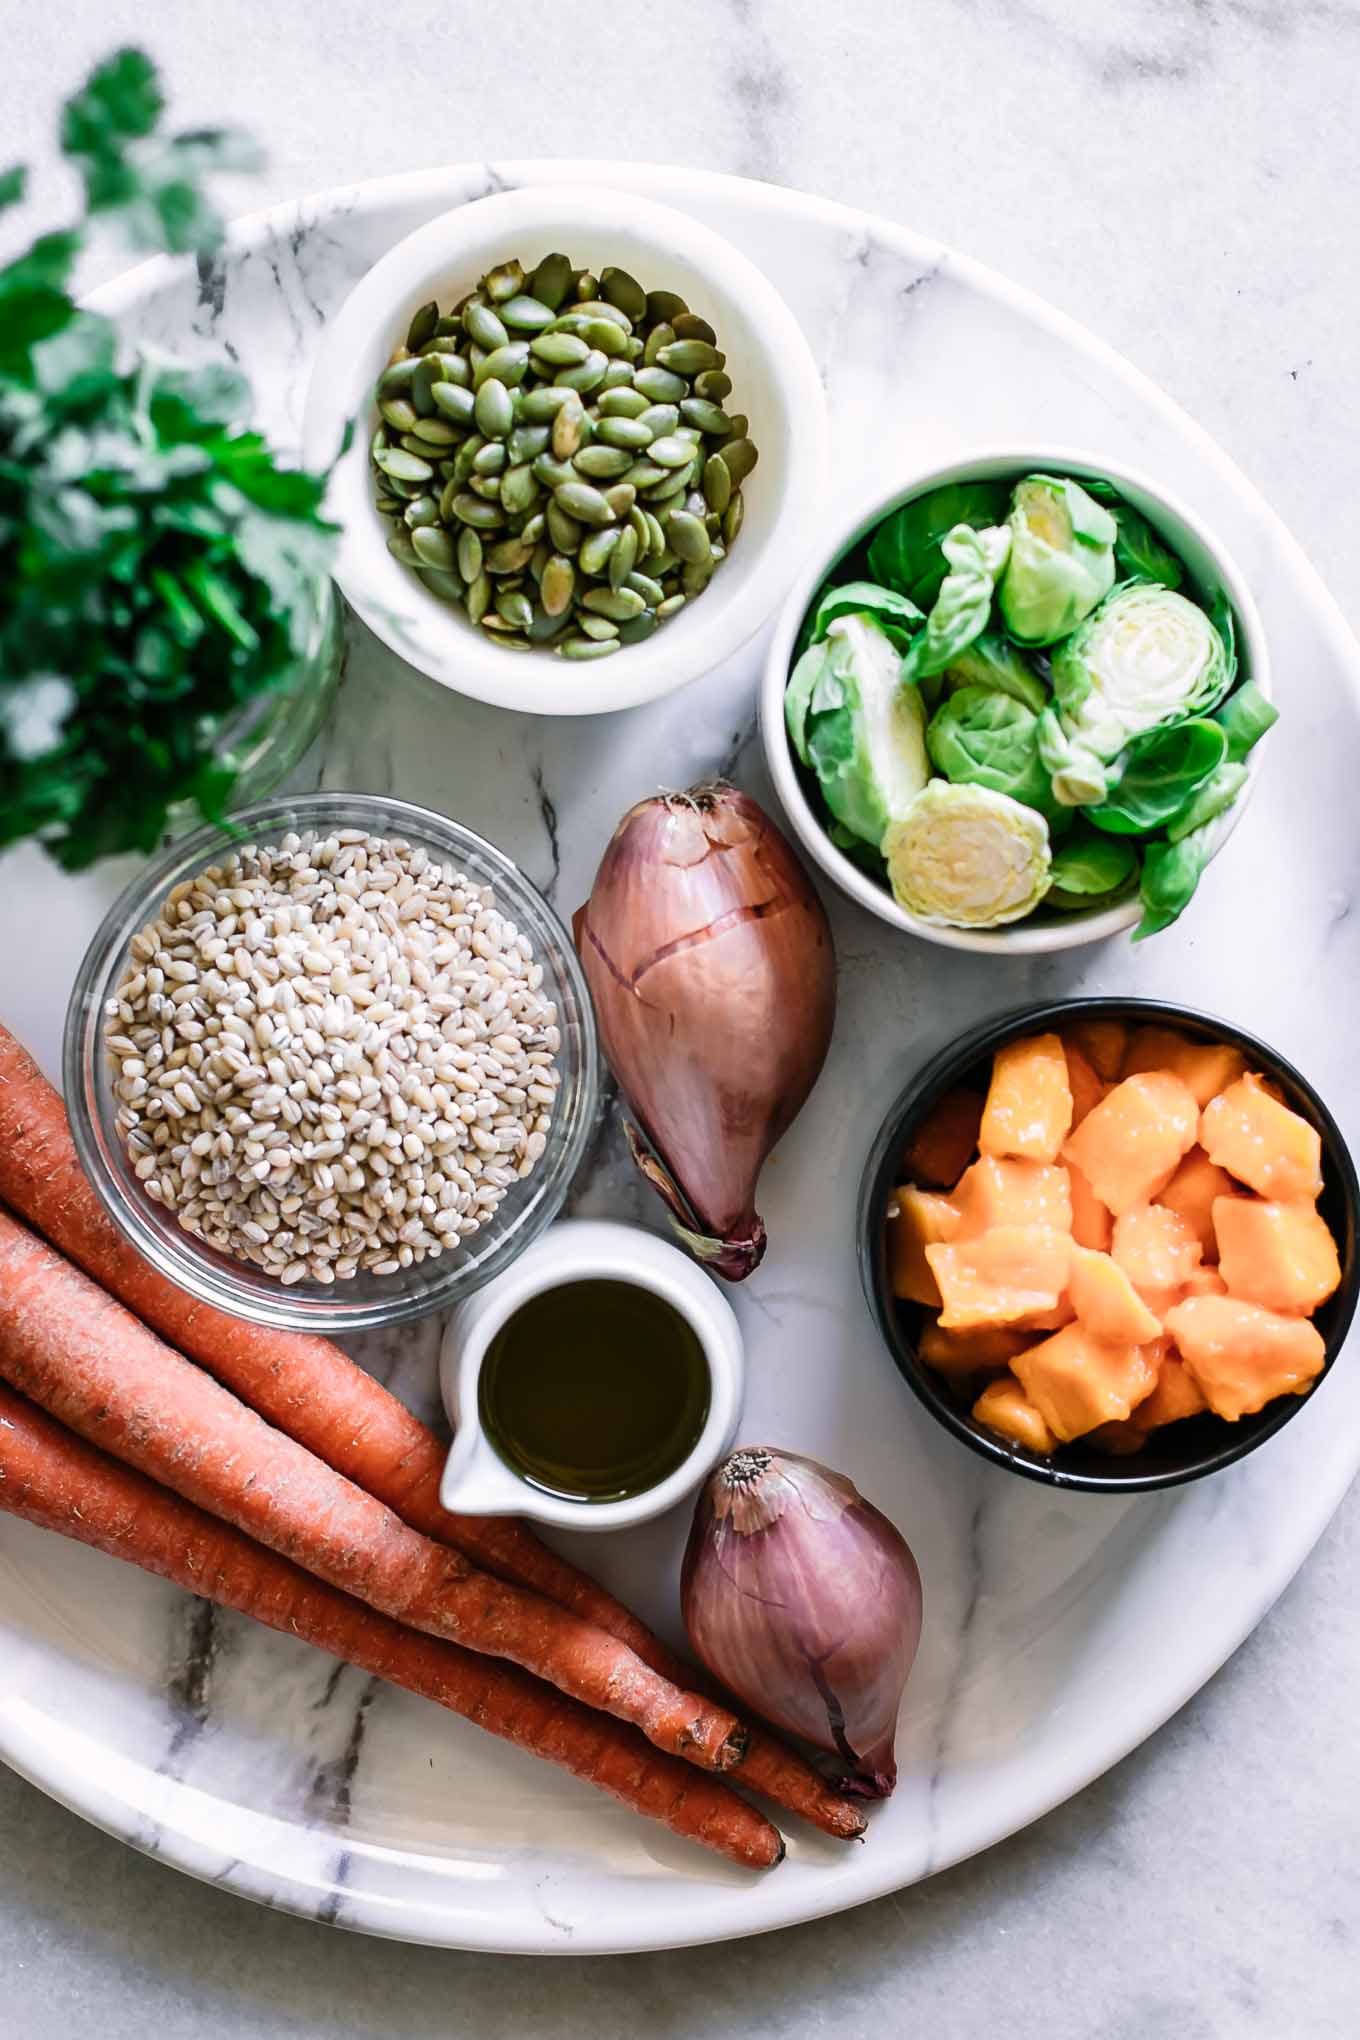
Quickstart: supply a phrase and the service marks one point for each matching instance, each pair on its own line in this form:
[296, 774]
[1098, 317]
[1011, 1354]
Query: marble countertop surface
[1168, 173]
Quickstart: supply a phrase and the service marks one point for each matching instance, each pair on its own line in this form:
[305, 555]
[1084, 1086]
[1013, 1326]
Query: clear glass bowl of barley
[99, 1052]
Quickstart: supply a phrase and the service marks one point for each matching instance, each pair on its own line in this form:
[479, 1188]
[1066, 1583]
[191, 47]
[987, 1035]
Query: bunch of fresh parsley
[158, 566]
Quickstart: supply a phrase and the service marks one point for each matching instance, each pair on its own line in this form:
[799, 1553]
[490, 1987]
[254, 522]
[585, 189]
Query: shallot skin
[710, 961]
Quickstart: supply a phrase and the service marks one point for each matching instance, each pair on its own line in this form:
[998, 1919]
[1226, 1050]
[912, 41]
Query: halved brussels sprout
[981, 738]
[992, 661]
[965, 857]
[1061, 559]
[858, 726]
[1147, 656]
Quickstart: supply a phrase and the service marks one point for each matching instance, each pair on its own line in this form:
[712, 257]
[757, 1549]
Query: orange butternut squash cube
[1203, 1282]
[975, 1351]
[1157, 1250]
[1000, 1191]
[1000, 1277]
[945, 1141]
[1204, 1067]
[1243, 1356]
[1192, 1191]
[916, 1218]
[1104, 1043]
[1092, 1223]
[1004, 1407]
[1078, 1381]
[1130, 1144]
[1053, 1320]
[1177, 1395]
[1121, 1441]
[1106, 1302]
[1086, 1086]
[1279, 1255]
[1029, 1104]
[1260, 1141]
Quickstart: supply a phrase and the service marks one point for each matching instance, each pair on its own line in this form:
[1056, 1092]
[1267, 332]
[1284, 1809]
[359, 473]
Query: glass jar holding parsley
[169, 637]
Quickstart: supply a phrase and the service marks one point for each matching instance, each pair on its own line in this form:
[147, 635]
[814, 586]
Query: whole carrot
[305, 1386]
[51, 1478]
[70, 1347]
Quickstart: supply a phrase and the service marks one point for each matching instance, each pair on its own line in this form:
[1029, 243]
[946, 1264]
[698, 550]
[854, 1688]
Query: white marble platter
[1060, 1630]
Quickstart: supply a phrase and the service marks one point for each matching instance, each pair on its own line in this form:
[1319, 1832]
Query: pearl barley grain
[364, 1047]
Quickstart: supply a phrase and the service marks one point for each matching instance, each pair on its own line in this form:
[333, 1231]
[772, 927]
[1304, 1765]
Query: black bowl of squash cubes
[1111, 1243]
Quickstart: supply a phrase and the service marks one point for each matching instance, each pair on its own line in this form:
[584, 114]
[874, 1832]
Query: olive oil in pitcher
[595, 1390]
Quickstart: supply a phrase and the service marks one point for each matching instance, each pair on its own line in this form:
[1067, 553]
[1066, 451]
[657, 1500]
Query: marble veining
[291, 1780]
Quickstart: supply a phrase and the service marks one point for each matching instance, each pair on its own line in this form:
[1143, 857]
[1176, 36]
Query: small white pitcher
[477, 1481]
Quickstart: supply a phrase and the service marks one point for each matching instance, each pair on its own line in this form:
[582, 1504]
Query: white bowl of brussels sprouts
[1017, 706]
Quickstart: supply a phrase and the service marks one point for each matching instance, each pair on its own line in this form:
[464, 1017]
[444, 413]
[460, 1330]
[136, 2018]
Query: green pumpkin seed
[619, 373]
[519, 489]
[515, 609]
[706, 417]
[411, 444]
[488, 487]
[603, 463]
[739, 457]
[587, 648]
[617, 287]
[567, 428]
[478, 597]
[637, 628]
[475, 357]
[493, 410]
[733, 518]
[436, 432]
[405, 491]
[713, 385]
[717, 483]
[740, 424]
[629, 432]
[661, 419]
[541, 406]
[689, 326]
[400, 547]
[587, 375]
[503, 282]
[676, 483]
[422, 326]
[600, 335]
[623, 557]
[482, 516]
[670, 451]
[510, 556]
[422, 384]
[423, 510]
[490, 458]
[446, 496]
[533, 530]
[506, 364]
[434, 547]
[447, 587]
[584, 286]
[403, 466]
[526, 314]
[659, 337]
[686, 536]
[669, 606]
[664, 305]
[660, 386]
[544, 626]
[657, 536]
[483, 327]
[584, 503]
[688, 357]
[542, 554]
[644, 473]
[551, 281]
[558, 350]
[596, 550]
[454, 402]
[597, 627]
[398, 412]
[651, 591]
[397, 378]
[467, 453]
[553, 473]
[469, 554]
[619, 604]
[620, 496]
[564, 531]
[526, 442]
[558, 585]
[622, 403]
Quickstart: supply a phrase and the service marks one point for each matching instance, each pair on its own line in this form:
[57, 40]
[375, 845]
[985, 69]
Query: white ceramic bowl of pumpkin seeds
[589, 443]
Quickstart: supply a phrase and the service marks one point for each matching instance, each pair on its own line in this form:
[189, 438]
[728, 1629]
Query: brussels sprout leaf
[1245, 717]
[964, 603]
[906, 550]
[1157, 773]
[1089, 867]
[896, 615]
[1171, 871]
